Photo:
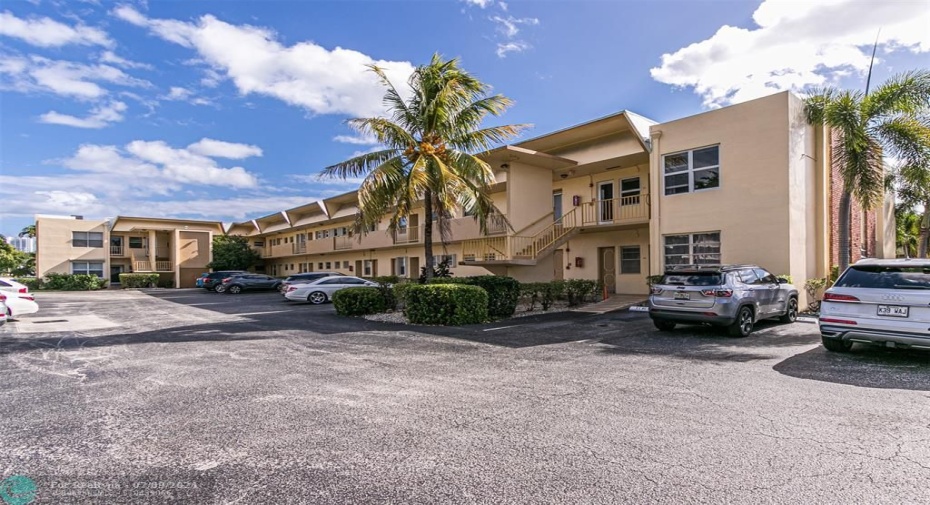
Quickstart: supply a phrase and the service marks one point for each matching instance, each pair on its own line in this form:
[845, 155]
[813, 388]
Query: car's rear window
[693, 279]
[885, 277]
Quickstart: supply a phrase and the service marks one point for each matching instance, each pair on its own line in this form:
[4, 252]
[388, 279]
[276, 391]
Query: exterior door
[558, 265]
[556, 206]
[115, 270]
[607, 267]
[605, 197]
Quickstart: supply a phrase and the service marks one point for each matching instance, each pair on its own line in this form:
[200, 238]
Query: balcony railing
[116, 250]
[628, 209]
[146, 266]
[343, 242]
[299, 248]
[408, 235]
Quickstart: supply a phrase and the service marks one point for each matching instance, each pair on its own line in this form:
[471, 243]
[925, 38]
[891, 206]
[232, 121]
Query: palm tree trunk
[428, 234]
[924, 232]
[843, 224]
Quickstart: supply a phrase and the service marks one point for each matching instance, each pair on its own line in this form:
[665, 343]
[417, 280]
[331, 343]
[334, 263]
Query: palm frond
[388, 133]
[906, 93]
[904, 136]
[359, 165]
[485, 139]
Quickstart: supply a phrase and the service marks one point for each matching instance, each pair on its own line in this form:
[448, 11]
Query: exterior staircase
[521, 249]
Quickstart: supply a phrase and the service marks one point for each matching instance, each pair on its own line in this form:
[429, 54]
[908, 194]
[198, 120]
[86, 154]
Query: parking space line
[501, 327]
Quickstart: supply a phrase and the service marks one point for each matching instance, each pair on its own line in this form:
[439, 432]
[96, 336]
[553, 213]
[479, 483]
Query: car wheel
[791, 313]
[742, 327]
[219, 288]
[234, 290]
[836, 345]
[316, 297]
[663, 325]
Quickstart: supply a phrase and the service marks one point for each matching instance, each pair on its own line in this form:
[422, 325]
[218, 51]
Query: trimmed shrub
[400, 292]
[358, 301]
[30, 282]
[579, 290]
[446, 304]
[138, 280]
[503, 292]
[70, 282]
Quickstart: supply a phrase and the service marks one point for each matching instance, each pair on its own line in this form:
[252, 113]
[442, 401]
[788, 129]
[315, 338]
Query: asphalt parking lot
[185, 395]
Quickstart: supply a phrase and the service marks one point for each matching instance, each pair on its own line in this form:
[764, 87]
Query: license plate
[682, 296]
[892, 310]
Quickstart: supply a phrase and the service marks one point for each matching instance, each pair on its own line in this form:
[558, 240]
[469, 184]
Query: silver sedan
[322, 290]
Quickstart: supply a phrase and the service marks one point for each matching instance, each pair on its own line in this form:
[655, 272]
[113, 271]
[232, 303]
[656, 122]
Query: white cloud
[46, 32]
[99, 117]
[511, 47]
[65, 78]
[794, 45]
[221, 149]
[111, 57]
[305, 74]
[314, 180]
[355, 139]
[480, 3]
[184, 166]
[178, 93]
[510, 26]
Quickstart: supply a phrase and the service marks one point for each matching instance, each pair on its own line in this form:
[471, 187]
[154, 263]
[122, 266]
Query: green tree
[232, 252]
[907, 231]
[28, 231]
[431, 142]
[11, 260]
[866, 127]
[913, 184]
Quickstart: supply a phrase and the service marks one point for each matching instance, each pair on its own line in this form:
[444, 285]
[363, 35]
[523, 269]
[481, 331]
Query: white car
[884, 302]
[7, 284]
[2, 313]
[322, 290]
[18, 304]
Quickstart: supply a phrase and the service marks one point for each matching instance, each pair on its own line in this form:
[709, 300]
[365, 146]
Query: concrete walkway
[615, 302]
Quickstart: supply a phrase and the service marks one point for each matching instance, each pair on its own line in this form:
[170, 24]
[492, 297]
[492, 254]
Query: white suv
[885, 302]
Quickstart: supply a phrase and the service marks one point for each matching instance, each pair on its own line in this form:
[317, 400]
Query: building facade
[23, 244]
[177, 250]
[618, 199]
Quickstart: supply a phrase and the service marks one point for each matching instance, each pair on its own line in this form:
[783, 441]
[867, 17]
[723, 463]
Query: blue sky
[225, 109]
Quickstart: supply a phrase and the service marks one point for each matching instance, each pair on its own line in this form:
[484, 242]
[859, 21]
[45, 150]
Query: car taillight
[23, 290]
[224, 281]
[30, 298]
[708, 292]
[723, 293]
[656, 290]
[2, 298]
[834, 297]
[292, 288]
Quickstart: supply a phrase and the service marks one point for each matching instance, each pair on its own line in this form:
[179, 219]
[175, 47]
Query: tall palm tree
[868, 126]
[431, 142]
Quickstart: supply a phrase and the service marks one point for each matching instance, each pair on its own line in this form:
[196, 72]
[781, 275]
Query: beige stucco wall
[530, 194]
[601, 148]
[750, 206]
[55, 251]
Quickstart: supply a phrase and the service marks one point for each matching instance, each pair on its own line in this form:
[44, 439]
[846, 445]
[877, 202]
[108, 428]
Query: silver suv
[885, 302]
[731, 296]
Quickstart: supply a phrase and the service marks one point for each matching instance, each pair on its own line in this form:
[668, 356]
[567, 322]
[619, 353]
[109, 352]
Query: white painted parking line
[199, 304]
[502, 327]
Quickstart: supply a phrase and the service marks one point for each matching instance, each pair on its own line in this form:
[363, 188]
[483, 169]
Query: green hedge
[400, 292]
[446, 304]
[30, 282]
[138, 280]
[70, 282]
[546, 293]
[503, 292]
[359, 301]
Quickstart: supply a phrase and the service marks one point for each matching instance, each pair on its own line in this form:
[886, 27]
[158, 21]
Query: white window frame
[400, 263]
[630, 192]
[690, 170]
[86, 270]
[639, 259]
[367, 266]
[691, 253]
[86, 239]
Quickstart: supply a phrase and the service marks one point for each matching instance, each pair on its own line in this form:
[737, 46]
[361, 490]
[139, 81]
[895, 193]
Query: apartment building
[617, 198]
[176, 249]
